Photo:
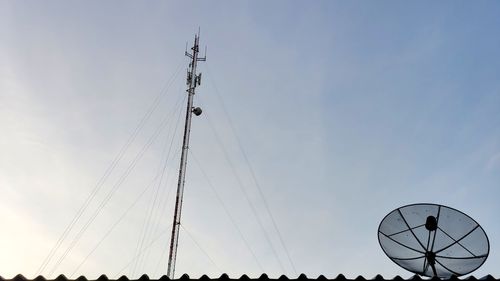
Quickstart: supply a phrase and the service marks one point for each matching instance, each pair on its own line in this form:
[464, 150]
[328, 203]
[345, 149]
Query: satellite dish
[433, 240]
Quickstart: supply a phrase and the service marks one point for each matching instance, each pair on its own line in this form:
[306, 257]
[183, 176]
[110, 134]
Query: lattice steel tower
[192, 81]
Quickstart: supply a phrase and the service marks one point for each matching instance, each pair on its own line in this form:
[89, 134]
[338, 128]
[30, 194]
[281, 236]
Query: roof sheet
[263, 277]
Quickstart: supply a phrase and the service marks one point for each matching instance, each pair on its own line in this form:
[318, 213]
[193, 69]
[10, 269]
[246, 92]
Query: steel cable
[108, 171]
[163, 203]
[151, 216]
[226, 210]
[201, 248]
[251, 170]
[111, 193]
[110, 230]
[145, 248]
[245, 193]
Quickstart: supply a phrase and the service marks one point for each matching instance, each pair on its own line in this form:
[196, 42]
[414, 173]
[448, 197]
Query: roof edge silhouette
[244, 277]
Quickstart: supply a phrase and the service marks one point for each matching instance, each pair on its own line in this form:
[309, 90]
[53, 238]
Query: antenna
[433, 240]
[192, 81]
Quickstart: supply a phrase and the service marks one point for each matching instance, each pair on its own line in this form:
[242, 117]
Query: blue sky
[345, 110]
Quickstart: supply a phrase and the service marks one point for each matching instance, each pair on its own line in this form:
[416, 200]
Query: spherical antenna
[197, 111]
[433, 240]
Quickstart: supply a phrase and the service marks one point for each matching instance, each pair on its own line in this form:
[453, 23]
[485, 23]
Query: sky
[319, 118]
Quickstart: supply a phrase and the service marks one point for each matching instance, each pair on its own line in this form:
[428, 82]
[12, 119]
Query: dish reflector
[433, 240]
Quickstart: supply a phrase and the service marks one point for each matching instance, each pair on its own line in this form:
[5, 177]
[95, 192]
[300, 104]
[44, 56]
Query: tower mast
[192, 81]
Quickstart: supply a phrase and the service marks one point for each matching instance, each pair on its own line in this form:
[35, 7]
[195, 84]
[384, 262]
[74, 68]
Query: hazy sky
[345, 110]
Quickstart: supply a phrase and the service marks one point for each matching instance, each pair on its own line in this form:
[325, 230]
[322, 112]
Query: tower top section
[194, 79]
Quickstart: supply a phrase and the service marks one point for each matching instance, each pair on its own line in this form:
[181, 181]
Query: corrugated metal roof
[263, 277]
